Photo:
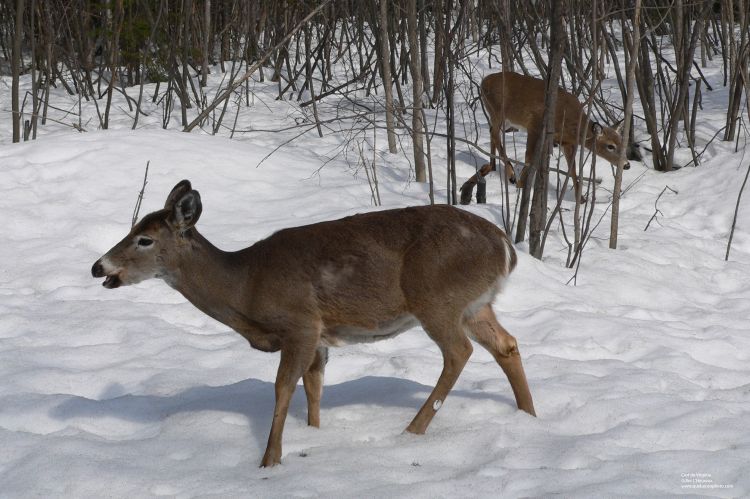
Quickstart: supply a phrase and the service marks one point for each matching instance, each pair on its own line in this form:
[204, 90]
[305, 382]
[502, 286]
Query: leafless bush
[95, 50]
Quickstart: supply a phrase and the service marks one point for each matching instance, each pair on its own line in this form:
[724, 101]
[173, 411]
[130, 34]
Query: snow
[639, 373]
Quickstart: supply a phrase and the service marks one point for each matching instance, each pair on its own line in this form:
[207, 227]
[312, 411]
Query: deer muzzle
[112, 278]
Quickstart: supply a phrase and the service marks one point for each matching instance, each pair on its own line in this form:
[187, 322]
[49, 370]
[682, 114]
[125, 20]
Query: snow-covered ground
[640, 373]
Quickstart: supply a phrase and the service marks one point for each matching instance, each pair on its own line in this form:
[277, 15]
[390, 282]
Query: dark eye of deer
[144, 241]
[610, 147]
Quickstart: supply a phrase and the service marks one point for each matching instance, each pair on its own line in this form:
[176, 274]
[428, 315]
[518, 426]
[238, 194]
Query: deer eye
[145, 241]
[611, 147]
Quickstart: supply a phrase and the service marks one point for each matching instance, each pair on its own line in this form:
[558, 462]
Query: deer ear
[186, 211]
[619, 126]
[179, 190]
[597, 129]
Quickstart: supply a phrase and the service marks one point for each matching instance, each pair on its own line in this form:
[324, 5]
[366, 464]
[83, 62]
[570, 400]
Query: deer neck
[207, 276]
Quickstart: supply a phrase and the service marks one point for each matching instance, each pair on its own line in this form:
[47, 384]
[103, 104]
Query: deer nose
[97, 270]
[626, 166]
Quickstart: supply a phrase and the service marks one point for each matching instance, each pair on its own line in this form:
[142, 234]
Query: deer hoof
[270, 460]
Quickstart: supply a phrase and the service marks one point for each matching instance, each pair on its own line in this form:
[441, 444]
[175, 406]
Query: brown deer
[359, 279]
[518, 100]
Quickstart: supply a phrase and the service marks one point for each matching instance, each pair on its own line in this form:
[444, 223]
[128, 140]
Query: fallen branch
[736, 209]
[657, 211]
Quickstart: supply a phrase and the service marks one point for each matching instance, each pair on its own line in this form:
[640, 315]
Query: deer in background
[359, 279]
[518, 100]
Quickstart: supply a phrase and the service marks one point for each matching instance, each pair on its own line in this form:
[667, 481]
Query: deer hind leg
[456, 349]
[486, 330]
[468, 188]
[295, 361]
[313, 381]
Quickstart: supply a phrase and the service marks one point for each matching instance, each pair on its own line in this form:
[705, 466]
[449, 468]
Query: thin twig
[140, 197]
[736, 209]
[657, 211]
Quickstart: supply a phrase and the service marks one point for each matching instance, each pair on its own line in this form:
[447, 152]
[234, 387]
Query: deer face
[152, 247]
[139, 256]
[607, 143]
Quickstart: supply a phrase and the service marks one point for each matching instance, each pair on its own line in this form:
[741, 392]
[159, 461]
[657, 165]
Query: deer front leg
[570, 159]
[295, 360]
[497, 149]
[531, 141]
[456, 349]
[494, 142]
[313, 381]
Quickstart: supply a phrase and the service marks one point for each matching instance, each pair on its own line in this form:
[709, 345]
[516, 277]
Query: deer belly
[336, 336]
[510, 125]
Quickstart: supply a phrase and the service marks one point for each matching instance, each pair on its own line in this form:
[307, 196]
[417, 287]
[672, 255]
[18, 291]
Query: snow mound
[640, 372]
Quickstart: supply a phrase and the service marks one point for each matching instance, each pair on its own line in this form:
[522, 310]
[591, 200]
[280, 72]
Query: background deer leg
[313, 381]
[295, 360]
[528, 158]
[456, 349]
[509, 171]
[487, 331]
[493, 147]
[496, 149]
[468, 188]
[570, 158]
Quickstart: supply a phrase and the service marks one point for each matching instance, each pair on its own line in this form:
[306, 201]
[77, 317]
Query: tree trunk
[633, 48]
[417, 132]
[538, 216]
[206, 42]
[685, 63]
[440, 41]
[385, 61]
[113, 58]
[16, 63]
[187, 7]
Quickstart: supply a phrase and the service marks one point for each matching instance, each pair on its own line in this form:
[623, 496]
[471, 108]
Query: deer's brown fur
[361, 278]
[517, 100]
